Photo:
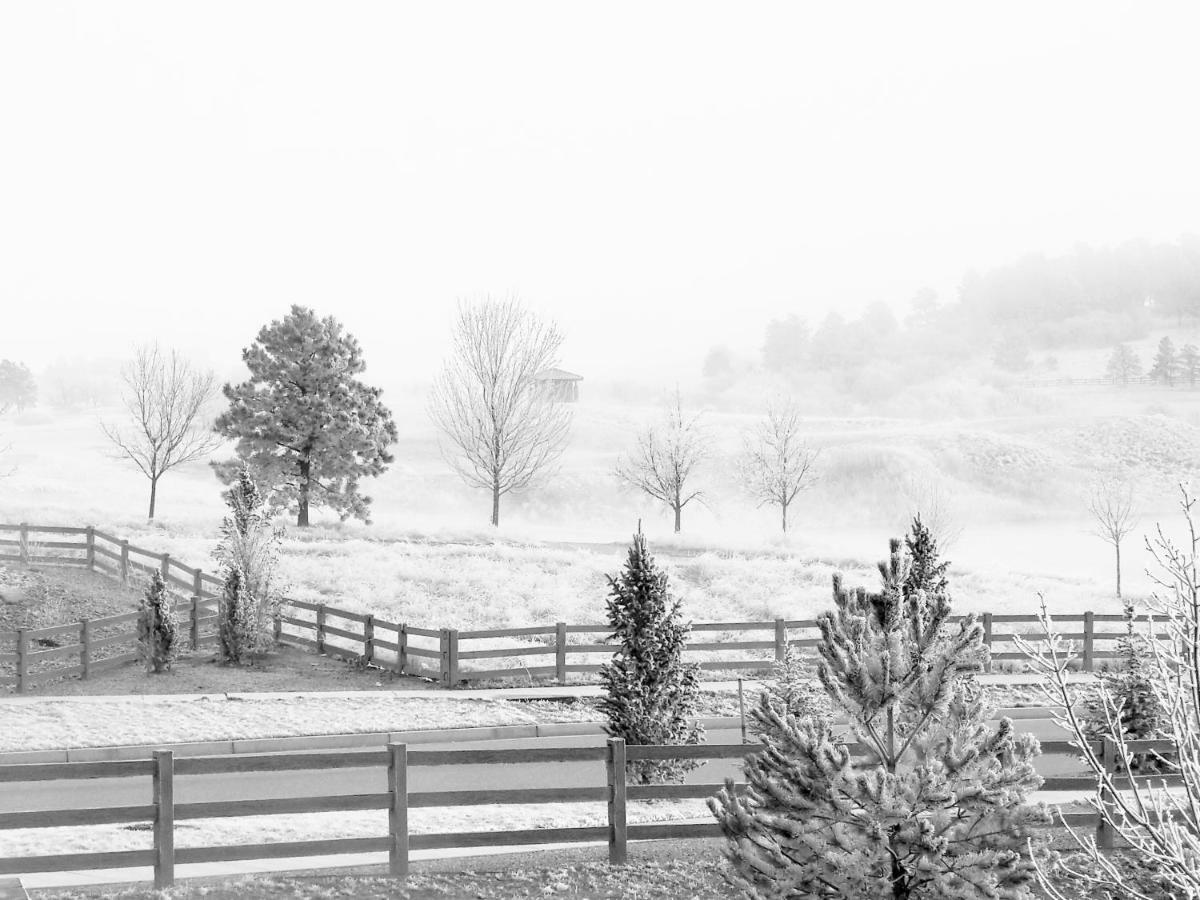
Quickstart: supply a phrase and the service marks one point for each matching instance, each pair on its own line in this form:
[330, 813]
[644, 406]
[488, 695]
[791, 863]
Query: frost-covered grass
[430, 559]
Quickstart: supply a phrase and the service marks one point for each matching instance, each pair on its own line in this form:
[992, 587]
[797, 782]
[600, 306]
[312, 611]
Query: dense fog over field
[903, 236]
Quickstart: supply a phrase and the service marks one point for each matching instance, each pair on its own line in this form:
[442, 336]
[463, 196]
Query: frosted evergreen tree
[158, 627]
[921, 798]
[1189, 363]
[1123, 365]
[649, 691]
[1166, 363]
[307, 426]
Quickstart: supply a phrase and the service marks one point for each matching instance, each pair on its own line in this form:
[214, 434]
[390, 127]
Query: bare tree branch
[776, 463]
[1110, 503]
[928, 500]
[502, 427]
[164, 397]
[665, 458]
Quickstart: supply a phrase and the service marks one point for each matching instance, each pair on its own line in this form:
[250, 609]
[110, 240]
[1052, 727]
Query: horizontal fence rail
[552, 651]
[615, 794]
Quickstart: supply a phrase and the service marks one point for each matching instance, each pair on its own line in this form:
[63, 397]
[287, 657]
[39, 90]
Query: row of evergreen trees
[1169, 367]
[918, 796]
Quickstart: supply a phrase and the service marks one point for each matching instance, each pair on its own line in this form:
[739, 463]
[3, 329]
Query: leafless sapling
[776, 462]
[502, 427]
[165, 397]
[1110, 503]
[666, 457]
[929, 501]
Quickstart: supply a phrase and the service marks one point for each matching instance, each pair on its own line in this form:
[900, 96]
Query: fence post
[278, 623]
[1104, 831]
[124, 562]
[780, 640]
[987, 639]
[401, 648]
[197, 598]
[320, 627]
[452, 656]
[22, 659]
[166, 565]
[369, 639]
[398, 810]
[164, 819]
[1089, 641]
[23, 547]
[85, 647]
[618, 834]
[560, 652]
[91, 547]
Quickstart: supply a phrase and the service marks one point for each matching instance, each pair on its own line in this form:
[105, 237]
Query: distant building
[561, 385]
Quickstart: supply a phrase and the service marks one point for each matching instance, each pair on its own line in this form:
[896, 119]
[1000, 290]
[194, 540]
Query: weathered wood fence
[450, 656]
[31, 656]
[162, 812]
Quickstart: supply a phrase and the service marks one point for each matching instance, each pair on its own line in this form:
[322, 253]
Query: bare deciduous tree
[666, 457]
[1161, 825]
[1110, 503]
[165, 397]
[503, 428]
[776, 463]
[930, 502]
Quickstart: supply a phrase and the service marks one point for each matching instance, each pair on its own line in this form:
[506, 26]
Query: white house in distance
[562, 385]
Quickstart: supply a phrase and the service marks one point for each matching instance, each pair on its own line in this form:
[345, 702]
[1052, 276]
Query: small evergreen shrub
[793, 690]
[248, 553]
[158, 627]
[1131, 684]
[649, 691]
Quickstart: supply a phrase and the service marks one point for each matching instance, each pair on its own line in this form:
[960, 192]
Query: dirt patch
[36, 597]
[287, 669]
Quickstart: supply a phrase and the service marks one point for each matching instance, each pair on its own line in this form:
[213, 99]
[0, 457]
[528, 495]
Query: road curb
[361, 740]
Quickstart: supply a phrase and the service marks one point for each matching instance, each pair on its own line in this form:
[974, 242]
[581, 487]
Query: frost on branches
[248, 553]
[649, 691]
[1157, 816]
[921, 797]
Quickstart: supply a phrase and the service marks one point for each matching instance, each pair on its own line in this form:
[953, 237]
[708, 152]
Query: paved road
[260, 785]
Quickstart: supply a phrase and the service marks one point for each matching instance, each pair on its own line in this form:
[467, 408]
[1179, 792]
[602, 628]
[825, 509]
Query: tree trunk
[678, 518]
[305, 473]
[495, 505]
[783, 506]
[1118, 546]
[153, 496]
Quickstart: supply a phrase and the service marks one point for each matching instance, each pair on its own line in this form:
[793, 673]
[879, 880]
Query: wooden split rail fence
[34, 655]
[163, 811]
[447, 655]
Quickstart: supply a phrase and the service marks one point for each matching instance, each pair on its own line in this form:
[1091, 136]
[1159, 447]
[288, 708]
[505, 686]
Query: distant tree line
[1170, 367]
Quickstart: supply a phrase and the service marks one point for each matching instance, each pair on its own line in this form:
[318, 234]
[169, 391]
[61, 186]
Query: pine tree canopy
[649, 691]
[920, 797]
[304, 423]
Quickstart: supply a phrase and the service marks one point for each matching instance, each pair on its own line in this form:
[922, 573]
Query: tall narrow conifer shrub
[649, 691]
[931, 803]
[158, 627]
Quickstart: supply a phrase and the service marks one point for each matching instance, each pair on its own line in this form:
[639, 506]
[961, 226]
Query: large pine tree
[649, 691]
[1166, 363]
[309, 429]
[931, 803]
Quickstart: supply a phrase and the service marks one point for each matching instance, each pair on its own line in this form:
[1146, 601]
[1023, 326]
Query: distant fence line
[1105, 380]
[442, 655]
[162, 812]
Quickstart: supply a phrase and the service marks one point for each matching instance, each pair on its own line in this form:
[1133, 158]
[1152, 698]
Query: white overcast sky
[658, 177]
